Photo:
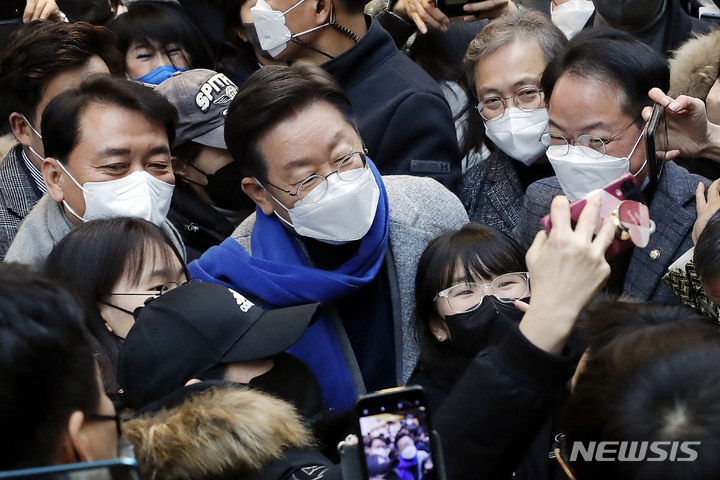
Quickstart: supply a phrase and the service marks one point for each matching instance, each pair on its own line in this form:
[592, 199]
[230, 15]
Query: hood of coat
[694, 66]
[217, 433]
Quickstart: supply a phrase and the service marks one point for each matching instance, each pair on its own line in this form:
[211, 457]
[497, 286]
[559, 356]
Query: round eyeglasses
[595, 146]
[526, 98]
[314, 187]
[506, 288]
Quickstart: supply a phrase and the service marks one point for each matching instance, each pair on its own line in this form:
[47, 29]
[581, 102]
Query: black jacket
[489, 414]
[402, 115]
[200, 225]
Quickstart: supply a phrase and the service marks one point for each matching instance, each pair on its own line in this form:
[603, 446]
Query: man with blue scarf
[327, 228]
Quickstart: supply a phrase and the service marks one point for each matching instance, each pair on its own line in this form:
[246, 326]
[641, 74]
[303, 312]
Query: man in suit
[43, 60]
[328, 229]
[401, 112]
[596, 92]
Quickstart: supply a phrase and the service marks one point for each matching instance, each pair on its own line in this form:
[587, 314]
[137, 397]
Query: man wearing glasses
[327, 229]
[504, 64]
[596, 92]
[52, 397]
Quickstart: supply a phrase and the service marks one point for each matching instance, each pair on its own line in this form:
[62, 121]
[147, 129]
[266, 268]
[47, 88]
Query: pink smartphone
[624, 188]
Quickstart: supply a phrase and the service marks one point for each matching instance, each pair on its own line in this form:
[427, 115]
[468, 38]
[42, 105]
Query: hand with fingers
[488, 9]
[41, 10]
[689, 131]
[423, 13]
[567, 267]
[705, 207]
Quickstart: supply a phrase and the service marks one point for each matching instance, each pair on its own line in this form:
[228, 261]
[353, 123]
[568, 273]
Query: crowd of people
[223, 221]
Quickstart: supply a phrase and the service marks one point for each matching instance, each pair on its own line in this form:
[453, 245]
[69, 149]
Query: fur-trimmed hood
[215, 434]
[694, 66]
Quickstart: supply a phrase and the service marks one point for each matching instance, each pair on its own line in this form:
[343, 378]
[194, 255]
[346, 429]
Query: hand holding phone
[623, 201]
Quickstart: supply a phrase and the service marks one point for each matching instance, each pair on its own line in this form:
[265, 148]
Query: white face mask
[579, 173]
[272, 32]
[343, 215]
[136, 195]
[571, 16]
[383, 452]
[409, 452]
[517, 133]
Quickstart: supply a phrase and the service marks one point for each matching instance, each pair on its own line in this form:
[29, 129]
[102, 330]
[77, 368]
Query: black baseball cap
[190, 329]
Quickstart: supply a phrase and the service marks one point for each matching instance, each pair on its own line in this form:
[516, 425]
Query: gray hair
[525, 26]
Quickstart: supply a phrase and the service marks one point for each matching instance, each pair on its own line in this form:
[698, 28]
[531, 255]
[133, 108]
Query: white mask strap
[278, 202]
[71, 177]
[31, 126]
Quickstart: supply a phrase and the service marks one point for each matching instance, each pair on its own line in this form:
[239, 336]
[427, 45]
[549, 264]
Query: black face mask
[224, 187]
[629, 14]
[291, 380]
[471, 332]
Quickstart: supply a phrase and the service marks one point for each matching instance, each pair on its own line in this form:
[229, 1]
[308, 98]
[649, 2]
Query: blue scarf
[278, 272]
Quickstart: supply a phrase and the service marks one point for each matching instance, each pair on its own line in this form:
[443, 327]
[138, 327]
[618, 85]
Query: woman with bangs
[494, 324]
[158, 40]
[112, 267]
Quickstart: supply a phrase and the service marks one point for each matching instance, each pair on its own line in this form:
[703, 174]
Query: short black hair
[92, 258]
[270, 96]
[612, 57]
[166, 24]
[47, 369]
[481, 250]
[654, 383]
[707, 250]
[61, 118]
[39, 51]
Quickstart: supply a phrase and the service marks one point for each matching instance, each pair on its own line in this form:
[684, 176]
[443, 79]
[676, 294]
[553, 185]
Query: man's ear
[52, 175]
[74, 446]
[323, 10]
[258, 194]
[240, 32]
[20, 129]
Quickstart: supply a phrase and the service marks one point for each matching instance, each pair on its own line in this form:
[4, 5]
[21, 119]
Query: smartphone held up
[395, 435]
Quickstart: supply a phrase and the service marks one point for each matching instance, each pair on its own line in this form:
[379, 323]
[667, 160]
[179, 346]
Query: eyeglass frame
[605, 142]
[154, 294]
[444, 293]
[106, 418]
[479, 106]
[341, 160]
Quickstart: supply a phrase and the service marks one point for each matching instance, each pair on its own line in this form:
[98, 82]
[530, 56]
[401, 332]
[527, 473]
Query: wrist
[548, 328]
[711, 147]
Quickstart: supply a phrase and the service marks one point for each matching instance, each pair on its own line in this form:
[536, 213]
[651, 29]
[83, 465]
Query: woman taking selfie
[494, 357]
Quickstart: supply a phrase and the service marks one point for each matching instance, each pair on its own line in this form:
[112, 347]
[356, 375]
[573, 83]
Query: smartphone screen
[395, 435]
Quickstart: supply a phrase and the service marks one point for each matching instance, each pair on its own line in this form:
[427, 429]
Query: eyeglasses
[596, 146]
[526, 98]
[314, 187]
[105, 418]
[155, 292]
[506, 288]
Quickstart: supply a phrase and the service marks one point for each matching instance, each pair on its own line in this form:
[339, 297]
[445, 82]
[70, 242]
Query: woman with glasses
[493, 367]
[112, 267]
[503, 65]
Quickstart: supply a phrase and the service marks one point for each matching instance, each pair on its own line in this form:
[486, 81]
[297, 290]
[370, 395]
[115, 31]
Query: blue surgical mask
[160, 74]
